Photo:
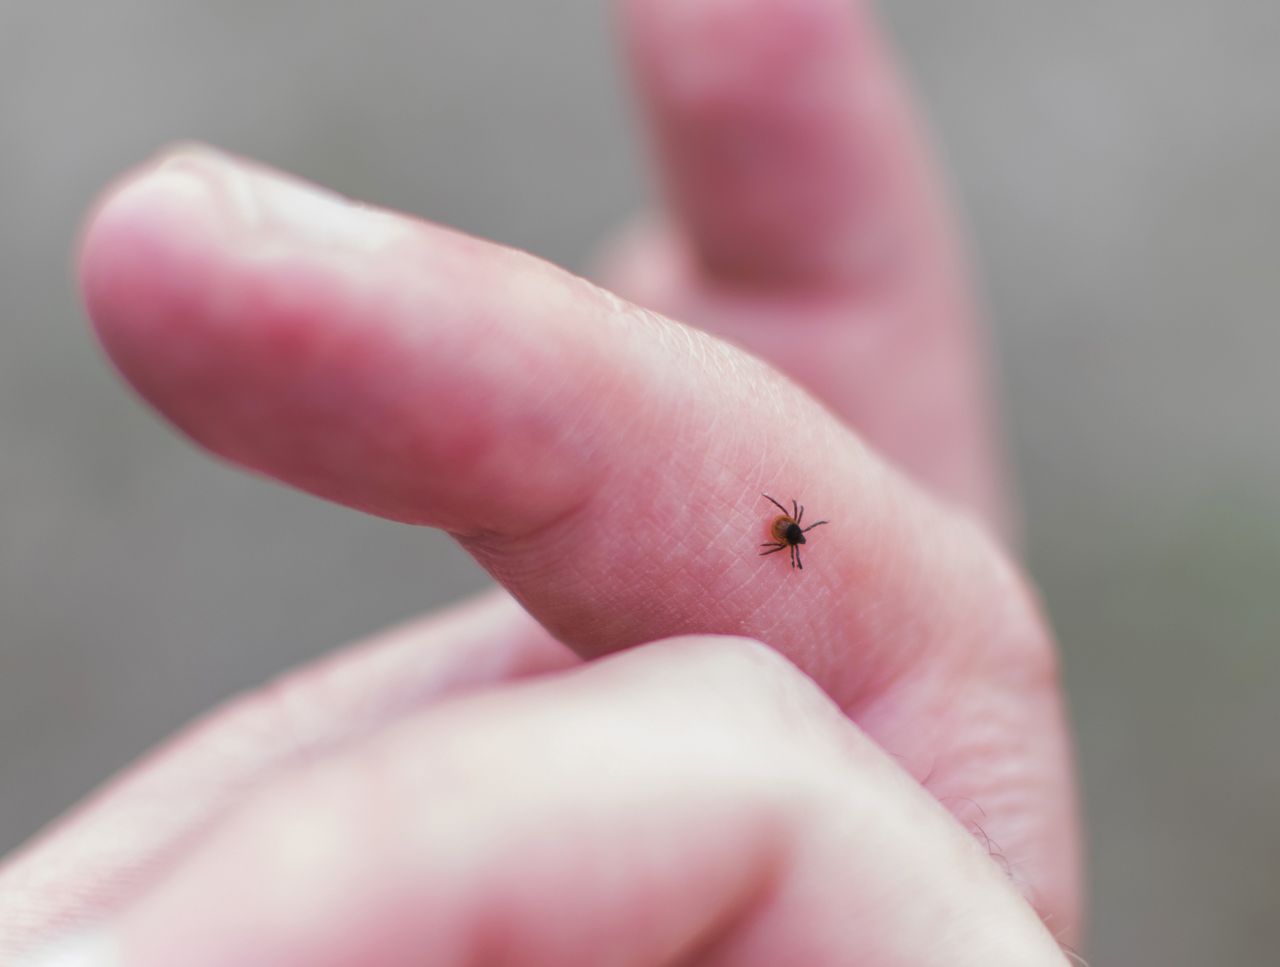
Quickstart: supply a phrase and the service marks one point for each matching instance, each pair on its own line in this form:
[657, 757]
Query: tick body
[787, 532]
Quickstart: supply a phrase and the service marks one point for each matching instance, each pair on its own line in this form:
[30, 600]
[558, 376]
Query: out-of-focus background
[1119, 163]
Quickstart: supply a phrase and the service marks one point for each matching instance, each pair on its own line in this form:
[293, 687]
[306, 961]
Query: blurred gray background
[1118, 162]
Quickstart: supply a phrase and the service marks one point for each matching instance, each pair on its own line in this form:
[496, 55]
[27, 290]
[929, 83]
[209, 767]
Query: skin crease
[302, 337]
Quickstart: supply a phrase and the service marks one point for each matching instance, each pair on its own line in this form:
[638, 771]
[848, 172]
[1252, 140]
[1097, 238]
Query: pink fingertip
[316, 340]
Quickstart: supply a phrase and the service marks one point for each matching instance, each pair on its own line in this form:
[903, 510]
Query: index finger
[604, 463]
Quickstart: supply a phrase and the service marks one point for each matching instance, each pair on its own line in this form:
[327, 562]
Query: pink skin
[604, 463]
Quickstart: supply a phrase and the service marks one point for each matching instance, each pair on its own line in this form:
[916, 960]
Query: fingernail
[263, 199]
[168, 192]
[88, 950]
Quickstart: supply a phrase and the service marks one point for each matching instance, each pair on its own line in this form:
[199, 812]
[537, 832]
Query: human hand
[695, 800]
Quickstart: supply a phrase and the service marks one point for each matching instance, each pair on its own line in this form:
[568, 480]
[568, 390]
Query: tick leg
[812, 526]
[795, 513]
[800, 516]
[799, 563]
[776, 549]
[774, 502]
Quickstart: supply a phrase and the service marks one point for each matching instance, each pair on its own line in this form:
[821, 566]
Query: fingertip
[142, 235]
[319, 341]
[700, 48]
[786, 144]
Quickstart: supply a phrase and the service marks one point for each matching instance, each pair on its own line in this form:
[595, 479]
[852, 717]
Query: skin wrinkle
[774, 602]
[771, 615]
[579, 434]
[709, 361]
[988, 758]
[571, 382]
[628, 422]
[751, 908]
[989, 746]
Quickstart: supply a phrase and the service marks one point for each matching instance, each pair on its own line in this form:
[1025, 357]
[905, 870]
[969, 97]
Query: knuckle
[760, 678]
[745, 687]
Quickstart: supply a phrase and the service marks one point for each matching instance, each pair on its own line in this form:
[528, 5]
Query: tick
[787, 532]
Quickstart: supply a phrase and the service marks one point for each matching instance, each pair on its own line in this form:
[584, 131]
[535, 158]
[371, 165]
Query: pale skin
[864, 762]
